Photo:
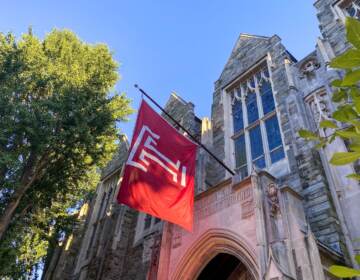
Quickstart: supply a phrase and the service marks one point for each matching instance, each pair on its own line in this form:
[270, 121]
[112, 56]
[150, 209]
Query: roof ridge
[247, 35]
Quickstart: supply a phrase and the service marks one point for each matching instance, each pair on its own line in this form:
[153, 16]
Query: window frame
[314, 102]
[339, 11]
[141, 231]
[229, 93]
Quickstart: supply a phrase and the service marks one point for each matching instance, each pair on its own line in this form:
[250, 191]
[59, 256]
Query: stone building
[286, 214]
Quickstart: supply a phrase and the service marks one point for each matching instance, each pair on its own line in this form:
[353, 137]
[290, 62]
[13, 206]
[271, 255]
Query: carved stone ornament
[272, 194]
[309, 66]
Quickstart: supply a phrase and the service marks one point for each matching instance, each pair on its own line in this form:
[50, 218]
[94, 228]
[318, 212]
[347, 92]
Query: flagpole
[183, 128]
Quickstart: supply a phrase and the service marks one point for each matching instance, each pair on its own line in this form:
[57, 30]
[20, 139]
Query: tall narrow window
[257, 134]
[257, 150]
[240, 155]
[267, 98]
[274, 139]
[251, 106]
[350, 8]
[238, 120]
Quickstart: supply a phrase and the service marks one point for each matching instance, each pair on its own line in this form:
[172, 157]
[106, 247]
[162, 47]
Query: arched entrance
[224, 224]
[225, 267]
[216, 249]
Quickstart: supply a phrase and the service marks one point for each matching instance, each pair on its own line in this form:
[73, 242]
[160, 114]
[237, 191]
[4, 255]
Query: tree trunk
[27, 179]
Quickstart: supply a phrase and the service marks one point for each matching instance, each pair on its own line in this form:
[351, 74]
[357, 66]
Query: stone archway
[211, 244]
[225, 267]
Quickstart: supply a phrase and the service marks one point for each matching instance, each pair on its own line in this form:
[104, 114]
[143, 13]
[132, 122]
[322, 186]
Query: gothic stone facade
[286, 214]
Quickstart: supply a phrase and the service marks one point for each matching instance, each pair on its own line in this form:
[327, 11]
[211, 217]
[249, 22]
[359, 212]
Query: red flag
[159, 172]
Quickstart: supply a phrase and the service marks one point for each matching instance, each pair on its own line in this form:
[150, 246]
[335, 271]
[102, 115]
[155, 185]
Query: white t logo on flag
[159, 174]
[153, 154]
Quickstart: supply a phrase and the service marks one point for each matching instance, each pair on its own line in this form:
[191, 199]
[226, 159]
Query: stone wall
[331, 25]
[305, 174]
[318, 203]
[183, 112]
[345, 192]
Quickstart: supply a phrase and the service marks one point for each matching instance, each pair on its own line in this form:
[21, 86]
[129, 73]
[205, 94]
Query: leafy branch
[345, 120]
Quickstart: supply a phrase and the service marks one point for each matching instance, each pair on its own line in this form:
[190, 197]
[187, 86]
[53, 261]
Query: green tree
[57, 123]
[36, 230]
[345, 121]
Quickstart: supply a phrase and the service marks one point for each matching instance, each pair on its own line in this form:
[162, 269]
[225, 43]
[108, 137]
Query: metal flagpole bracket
[188, 132]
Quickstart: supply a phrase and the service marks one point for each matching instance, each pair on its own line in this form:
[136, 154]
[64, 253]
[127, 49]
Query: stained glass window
[351, 8]
[240, 150]
[256, 145]
[248, 140]
[277, 154]
[251, 82]
[274, 139]
[266, 72]
[240, 155]
[267, 98]
[237, 116]
[252, 108]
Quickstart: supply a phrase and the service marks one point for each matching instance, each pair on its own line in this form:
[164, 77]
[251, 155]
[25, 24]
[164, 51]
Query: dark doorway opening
[224, 267]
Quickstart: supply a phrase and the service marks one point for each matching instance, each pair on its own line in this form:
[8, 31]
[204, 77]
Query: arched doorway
[225, 267]
[213, 249]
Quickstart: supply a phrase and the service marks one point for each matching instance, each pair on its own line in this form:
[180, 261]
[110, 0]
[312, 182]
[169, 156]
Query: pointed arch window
[240, 158]
[251, 107]
[267, 97]
[256, 131]
[256, 145]
[274, 139]
[238, 121]
[347, 8]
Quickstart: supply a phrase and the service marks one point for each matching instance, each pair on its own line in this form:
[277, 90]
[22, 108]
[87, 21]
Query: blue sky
[168, 45]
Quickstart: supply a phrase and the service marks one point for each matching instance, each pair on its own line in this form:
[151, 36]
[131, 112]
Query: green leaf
[339, 95]
[327, 124]
[348, 133]
[353, 176]
[343, 158]
[353, 31]
[354, 147]
[351, 78]
[355, 95]
[345, 113]
[308, 134]
[343, 271]
[355, 123]
[336, 83]
[357, 259]
[348, 60]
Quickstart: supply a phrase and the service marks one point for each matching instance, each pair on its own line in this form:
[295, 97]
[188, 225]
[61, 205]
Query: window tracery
[256, 132]
[351, 8]
[318, 103]
[347, 8]
[309, 66]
